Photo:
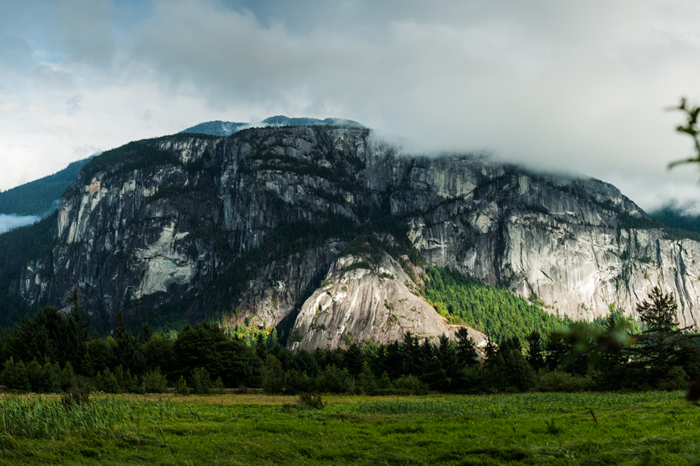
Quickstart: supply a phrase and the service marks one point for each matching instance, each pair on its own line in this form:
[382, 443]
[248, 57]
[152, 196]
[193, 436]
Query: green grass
[550, 428]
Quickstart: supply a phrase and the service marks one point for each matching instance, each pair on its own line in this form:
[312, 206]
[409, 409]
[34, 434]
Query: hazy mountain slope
[675, 218]
[216, 128]
[39, 196]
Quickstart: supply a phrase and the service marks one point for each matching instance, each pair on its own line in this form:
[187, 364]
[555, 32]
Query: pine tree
[663, 346]
[535, 355]
[466, 352]
[260, 348]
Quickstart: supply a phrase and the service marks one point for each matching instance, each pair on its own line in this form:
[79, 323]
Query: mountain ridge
[227, 128]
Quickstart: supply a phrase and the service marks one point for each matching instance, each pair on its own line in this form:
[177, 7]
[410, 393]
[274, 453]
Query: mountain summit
[227, 128]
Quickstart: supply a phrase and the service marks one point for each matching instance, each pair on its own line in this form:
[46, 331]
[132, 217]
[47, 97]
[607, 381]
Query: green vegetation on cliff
[498, 312]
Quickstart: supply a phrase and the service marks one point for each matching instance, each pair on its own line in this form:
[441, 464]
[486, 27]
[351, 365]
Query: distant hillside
[227, 128]
[216, 128]
[37, 197]
[674, 217]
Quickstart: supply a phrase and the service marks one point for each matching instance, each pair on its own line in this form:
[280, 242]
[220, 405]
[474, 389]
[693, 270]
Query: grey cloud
[51, 77]
[74, 103]
[85, 30]
[547, 83]
[577, 86]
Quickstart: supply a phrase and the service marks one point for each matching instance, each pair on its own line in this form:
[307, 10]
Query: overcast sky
[576, 86]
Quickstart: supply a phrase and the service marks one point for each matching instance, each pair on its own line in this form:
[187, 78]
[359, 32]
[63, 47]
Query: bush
[308, 401]
[335, 380]
[14, 375]
[106, 382]
[201, 383]
[366, 382]
[181, 387]
[273, 380]
[563, 382]
[411, 384]
[78, 394]
[219, 386]
[67, 378]
[676, 379]
[154, 382]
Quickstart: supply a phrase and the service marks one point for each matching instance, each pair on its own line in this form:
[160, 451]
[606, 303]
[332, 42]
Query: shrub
[181, 386]
[563, 382]
[201, 383]
[219, 385]
[67, 379]
[677, 379]
[78, 394]
[308, 401]
[366, 382]
[411, 384]
[154, 382]
[14, 375]
[335, 380]
[106, 382]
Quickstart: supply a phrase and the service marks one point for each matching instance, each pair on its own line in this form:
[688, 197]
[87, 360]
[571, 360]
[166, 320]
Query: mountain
[325, 234]
[227, 128]
[216, 128]
[40, 196]
[281, 120]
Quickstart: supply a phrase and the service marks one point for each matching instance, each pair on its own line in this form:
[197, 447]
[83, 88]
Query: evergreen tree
[207, 346]
[128, 352]
[466, 352]
[662, 346]
[535, 355]
[613, 368]
[260, 348]
[158, 352]
[353, 359]
[145, 334]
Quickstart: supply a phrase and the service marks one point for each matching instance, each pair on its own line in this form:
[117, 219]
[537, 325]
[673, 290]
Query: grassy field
[643, 428]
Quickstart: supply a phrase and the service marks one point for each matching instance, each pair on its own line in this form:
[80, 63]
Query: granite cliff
[259, 228]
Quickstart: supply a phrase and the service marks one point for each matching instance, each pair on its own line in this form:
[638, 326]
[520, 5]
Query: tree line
[53, 352]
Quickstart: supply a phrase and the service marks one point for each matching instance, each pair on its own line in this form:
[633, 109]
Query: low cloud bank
[8, 222]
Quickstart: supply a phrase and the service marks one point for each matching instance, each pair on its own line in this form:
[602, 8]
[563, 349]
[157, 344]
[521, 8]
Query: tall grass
[37, 417]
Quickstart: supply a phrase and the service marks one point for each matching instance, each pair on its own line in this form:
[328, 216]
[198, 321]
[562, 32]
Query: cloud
[84, 31]
[554, 85]
[53, 78]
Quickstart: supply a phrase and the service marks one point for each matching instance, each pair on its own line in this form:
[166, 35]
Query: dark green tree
[207, 346]
[466, 351]
[535, 356]
[662, 345]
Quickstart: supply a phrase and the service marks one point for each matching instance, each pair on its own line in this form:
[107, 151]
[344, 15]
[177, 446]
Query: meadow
[533, 428]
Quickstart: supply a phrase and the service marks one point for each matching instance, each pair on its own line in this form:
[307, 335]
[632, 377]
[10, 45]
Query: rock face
[374, 302]
[245, 224]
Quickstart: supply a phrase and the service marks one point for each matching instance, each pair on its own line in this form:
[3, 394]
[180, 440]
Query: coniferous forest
[53, 352]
